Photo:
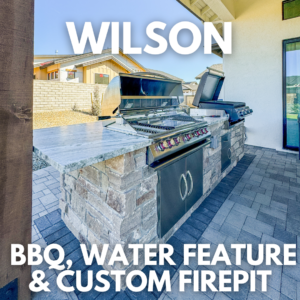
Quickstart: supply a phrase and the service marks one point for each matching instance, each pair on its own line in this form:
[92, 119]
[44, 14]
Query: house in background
[265, 55]
[190, 88]
[217, 67]
[89, 68]
[85, 68]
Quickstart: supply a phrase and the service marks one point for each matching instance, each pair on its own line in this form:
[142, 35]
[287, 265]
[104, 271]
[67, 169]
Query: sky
[51, 32]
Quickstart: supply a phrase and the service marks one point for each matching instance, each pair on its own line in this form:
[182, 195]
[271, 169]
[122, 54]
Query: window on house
[56, 75]
[101, 78]
[71, 75]
[34, 77]
[290, 9]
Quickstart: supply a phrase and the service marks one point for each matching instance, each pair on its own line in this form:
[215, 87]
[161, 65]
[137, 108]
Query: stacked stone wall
[115, 201]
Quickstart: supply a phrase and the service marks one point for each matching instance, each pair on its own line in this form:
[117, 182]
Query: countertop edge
[90, 161]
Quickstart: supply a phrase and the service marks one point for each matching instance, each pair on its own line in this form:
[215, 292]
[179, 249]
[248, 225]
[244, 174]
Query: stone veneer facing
[114, 201]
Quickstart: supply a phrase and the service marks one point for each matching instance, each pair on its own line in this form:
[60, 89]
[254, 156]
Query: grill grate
[153, 126]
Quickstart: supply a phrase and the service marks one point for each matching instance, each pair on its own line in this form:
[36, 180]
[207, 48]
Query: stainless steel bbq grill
[207, 98]
[146, 105]
[149, 106]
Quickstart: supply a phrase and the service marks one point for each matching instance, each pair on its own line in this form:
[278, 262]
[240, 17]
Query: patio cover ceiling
[216, 11]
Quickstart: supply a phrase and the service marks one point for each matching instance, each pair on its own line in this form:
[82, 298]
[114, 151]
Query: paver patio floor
[257, 202]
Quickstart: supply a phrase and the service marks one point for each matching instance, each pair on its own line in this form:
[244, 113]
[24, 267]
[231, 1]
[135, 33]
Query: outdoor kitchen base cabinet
[225, 151]
[180, 186]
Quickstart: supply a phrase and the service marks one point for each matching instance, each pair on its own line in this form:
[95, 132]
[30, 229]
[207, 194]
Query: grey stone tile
[256, 206]
[257, 178]
[252, 231]
[289, 287]
[214, 236]
[244, 264]
[214, 226]
[49, 182]
[285, 194]
[293, 226]
[248, 238]
[231, 230]
[39, 187]
[38, 209]
[46, 191]
[48, 199]
[274, 281]
[286, 237]
[219, 218]
[259, 226]
[271, 293]
[236, 219]
[273, 212]
[221, 296]
[41, 180]
[248, 194]
[290, 174]
[279, 205]
[54, 186]
[43, 213]
[258, 189]
[280, 199]
[262, 199]
[245, 210]
[269, 193]
[241, 200]
[267, 185]
[55, 191]
[292, 271]
[36, 202]
[37, 195]
[266, 218]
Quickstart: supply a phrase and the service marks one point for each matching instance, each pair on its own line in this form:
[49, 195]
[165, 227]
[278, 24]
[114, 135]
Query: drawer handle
[186, 187]
[229, 154]
[188, 173]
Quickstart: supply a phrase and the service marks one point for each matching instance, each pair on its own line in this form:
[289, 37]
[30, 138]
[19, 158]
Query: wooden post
[16, 88]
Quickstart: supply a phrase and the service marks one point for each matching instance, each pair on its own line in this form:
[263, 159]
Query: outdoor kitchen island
[109, 193]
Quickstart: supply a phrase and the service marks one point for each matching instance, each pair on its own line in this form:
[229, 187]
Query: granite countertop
[73, 147]
[212, 121]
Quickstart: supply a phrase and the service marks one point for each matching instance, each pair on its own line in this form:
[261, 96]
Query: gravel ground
[38, 163]
[60, 118]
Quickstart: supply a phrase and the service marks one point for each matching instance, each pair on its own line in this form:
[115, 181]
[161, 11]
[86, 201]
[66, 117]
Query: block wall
[55, 95]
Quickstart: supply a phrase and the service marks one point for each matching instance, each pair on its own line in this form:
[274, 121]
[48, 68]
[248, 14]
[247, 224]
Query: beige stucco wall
[54, 95]
[107, 67]
[254, 70]
[40, 74]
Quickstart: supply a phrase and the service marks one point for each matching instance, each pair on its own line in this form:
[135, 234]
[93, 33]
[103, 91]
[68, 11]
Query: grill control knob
[202, 131]
[158, 148]
[169, 144]
[165, 144]
[173, 143]
[177, 140]
[205, 129]
[162, 147]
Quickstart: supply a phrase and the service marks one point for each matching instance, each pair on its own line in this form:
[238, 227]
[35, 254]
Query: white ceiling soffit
[211, 10]
[224, 9]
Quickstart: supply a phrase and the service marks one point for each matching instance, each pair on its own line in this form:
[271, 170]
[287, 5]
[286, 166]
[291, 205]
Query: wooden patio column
[16, 88]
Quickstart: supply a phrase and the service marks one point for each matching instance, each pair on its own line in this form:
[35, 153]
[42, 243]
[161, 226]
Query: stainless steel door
[194, 177]
[172, 191]
[225, 152]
